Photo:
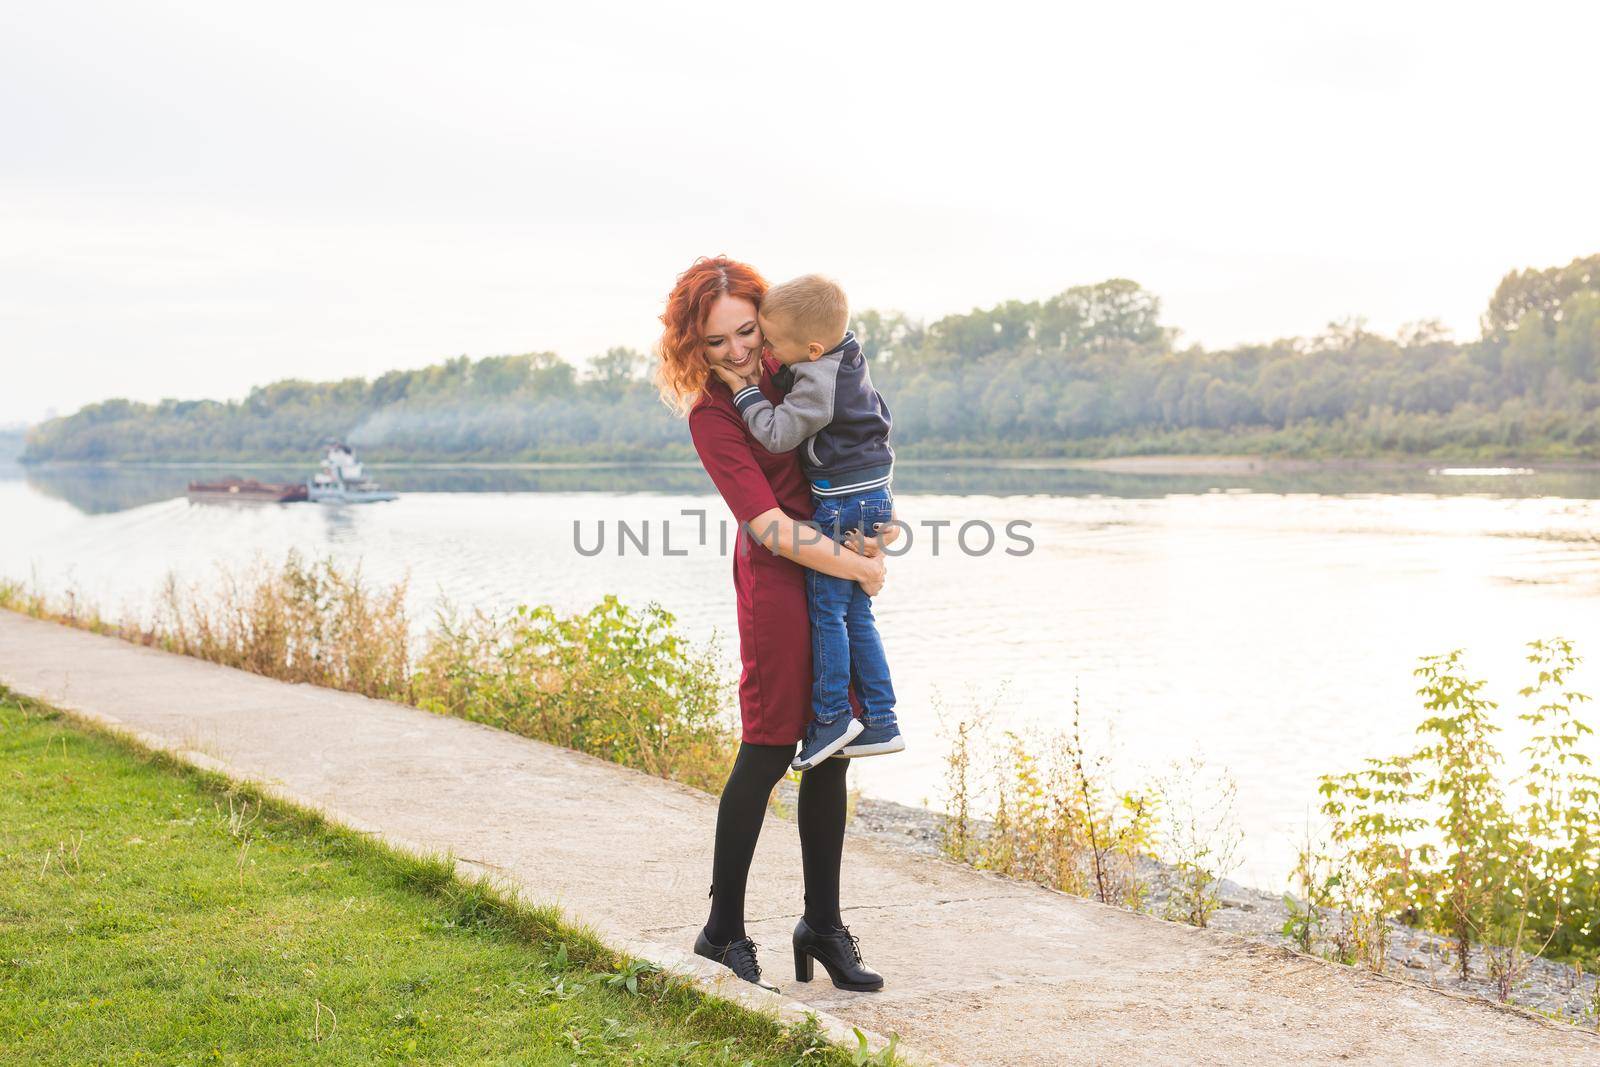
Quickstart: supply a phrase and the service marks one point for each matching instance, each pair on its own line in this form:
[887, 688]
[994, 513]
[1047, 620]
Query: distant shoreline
[1171, 464]
[1236, 464]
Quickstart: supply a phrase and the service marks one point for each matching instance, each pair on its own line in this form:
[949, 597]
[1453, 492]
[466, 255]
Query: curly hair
[682, 371]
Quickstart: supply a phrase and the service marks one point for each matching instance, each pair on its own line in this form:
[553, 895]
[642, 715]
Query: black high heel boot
[739, 956]
[839, 952]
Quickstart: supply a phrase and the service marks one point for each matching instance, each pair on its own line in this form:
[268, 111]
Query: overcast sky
[200, 197]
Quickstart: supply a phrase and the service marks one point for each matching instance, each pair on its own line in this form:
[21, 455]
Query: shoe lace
[844, 934]
[741, 954]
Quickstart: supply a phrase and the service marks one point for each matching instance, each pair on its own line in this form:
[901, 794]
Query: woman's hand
[876, 574]
[869, 569]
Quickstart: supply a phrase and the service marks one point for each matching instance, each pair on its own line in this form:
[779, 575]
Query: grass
[152, 912]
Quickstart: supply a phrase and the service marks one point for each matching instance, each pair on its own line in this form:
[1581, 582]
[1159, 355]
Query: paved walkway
[980, 970]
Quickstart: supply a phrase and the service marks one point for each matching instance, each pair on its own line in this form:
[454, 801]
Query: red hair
[682, 372]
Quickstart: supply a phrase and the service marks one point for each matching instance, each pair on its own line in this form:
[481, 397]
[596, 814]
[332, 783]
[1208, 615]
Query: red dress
[770, 591]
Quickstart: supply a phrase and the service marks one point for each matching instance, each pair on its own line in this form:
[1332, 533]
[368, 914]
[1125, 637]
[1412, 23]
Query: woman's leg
[756, 770]
[821, 818]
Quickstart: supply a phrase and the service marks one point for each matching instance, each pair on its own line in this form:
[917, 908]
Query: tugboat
[246, 490]
[342, 481]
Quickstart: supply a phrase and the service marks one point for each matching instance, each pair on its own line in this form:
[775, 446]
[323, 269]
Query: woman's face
[732, 334]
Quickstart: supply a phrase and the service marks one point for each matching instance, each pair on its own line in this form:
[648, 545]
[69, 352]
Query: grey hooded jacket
[833, 410]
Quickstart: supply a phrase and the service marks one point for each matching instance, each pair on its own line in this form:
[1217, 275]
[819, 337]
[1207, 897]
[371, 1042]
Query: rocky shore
[1553, 989]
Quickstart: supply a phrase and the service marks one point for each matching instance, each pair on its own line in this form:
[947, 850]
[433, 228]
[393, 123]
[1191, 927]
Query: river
[1267, 624]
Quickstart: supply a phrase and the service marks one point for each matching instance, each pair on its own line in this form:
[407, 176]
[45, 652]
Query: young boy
[832, 409]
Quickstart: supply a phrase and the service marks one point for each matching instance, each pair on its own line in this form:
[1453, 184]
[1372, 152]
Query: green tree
[617, 368]
[1529, 355]
[1577, 340]
[1544, 291]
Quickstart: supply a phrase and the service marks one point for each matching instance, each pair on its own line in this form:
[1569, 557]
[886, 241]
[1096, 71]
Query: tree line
[1091, 371]
[11, 442]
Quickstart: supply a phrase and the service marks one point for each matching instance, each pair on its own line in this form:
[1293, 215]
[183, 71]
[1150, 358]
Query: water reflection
[342, 522]
[95, 489]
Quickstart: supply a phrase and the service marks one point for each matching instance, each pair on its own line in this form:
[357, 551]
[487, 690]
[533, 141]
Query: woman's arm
[806, 545]
[723, 444]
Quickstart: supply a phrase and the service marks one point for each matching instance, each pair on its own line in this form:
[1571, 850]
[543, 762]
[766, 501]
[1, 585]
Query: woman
[711, 320]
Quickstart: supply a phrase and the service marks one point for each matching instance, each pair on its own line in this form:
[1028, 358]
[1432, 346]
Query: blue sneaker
[823, 739]
[875, 741]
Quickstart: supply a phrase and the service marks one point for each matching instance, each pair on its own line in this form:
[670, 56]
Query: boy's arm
[806, 409]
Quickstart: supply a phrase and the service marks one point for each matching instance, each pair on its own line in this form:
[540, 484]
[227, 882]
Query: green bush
[1440, 838]
[614, 682]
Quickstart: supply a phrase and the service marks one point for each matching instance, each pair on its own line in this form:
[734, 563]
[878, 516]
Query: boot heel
[802, 965]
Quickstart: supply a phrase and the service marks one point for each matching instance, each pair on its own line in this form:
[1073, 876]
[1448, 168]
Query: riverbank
[1554, 989]
[119, 486]
[1244, 464]
[982, 970]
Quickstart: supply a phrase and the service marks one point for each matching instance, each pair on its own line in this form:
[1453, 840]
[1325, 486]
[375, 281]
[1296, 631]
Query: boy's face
[785, 349]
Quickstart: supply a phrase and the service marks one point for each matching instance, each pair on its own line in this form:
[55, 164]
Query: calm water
[1268, 626]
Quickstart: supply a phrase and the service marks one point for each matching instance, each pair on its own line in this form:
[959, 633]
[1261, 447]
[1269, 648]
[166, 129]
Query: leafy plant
[1433, 836]
[628, 973]
[1317, 888]
[612, 681]
[1561, 809]
[863, 1056]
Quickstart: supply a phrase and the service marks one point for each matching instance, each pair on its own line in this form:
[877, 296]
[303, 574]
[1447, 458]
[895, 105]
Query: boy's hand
[871, 546]
[733, 381]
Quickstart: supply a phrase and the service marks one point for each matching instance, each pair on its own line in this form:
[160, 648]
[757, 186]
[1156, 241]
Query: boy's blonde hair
[811, 308]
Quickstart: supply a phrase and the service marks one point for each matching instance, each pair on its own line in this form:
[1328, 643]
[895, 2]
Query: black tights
[756, 771]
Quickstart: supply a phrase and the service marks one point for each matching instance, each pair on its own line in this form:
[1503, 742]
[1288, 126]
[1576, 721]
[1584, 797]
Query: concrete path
[980, 970]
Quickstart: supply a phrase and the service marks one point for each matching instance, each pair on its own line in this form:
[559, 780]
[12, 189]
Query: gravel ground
[1553, 989]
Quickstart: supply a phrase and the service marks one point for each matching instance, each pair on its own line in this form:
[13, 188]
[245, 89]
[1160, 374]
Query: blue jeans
[845, 647]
